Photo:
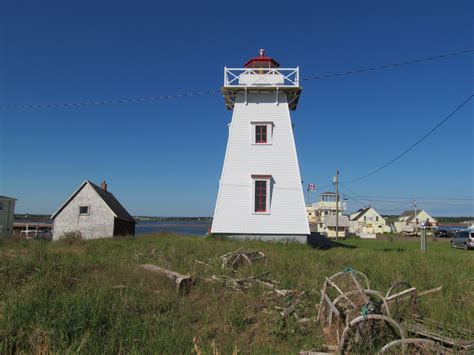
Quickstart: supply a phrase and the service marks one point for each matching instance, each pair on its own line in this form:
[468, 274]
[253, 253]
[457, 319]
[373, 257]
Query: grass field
[91, 296]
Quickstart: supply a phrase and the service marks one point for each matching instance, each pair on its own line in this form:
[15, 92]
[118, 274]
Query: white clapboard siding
[234, 208]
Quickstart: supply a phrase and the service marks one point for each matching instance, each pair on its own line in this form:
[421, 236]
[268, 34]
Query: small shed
[93, 212]
[7, 214]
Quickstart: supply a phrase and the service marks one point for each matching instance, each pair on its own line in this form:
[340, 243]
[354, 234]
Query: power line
[400, 206]
[390, 162]
[388, 66]
[108, 102]
[370, 202]
[423, 203]
[420, 198]
[209, 92]
[407, 201]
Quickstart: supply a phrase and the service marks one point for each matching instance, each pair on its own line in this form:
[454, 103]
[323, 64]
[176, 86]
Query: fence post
[424, 226]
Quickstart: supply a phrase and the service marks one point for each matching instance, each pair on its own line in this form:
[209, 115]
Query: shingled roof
[410, 214]
[113, 203]
[109, 199]
[360, 213]
[330, 221]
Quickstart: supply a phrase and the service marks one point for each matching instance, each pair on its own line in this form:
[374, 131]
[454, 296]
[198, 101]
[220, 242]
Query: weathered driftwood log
[183, 282]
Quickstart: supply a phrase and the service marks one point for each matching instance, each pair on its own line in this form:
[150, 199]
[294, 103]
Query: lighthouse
[260, 191]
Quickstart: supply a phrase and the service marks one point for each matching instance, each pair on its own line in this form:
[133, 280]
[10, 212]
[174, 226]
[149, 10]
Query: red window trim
[261, 126]
[261, 193]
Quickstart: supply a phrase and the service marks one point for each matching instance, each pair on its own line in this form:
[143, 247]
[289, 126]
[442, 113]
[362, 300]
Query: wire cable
[419, 198]
[390, 162]
[387, 66]
[210, 92]
[108, 102]
[408, 200]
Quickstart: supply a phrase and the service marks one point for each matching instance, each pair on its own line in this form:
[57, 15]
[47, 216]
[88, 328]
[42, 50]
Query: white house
[260, 193]
[92, 212]
[326, 210]
[367, 222]
[7, 215]
[411, 220]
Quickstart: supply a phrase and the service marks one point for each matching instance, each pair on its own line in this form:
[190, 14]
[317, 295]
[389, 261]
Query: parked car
[463, 239]
[443, 233]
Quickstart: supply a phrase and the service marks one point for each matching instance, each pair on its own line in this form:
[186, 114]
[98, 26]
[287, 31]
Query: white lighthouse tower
[260, 193]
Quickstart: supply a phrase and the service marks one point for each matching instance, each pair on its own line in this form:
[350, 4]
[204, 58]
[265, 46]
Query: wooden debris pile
[358, 319]
[240, 257]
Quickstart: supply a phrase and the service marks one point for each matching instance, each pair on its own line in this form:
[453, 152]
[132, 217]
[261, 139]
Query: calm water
[177, 227]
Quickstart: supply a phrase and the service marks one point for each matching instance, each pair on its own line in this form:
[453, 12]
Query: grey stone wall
[99, 223]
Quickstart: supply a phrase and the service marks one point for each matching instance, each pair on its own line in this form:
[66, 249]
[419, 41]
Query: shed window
[1, 205]
[260, 133]
[83, 209]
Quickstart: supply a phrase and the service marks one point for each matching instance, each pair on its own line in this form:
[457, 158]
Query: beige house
[328, 227]
[411, 220]
[7, 214]
[367, 223]
[325, 215]
[310, 214]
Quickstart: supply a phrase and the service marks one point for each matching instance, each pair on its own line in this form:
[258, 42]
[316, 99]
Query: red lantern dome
[262, 61]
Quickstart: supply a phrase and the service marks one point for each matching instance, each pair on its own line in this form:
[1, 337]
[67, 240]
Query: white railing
[261, 77]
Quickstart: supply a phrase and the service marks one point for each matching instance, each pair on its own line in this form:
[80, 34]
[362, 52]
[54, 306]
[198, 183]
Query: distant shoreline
[159, 219]
[46, 217]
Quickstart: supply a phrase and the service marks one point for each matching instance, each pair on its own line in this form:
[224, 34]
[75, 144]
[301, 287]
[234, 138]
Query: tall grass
[91, 297]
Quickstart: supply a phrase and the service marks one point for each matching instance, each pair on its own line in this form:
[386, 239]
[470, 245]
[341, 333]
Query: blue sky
[165, 157]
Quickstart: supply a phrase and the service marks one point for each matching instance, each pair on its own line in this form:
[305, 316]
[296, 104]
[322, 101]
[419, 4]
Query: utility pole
[336, 181]
[416, 224]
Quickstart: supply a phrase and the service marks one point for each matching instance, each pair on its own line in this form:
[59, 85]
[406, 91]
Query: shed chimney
[103, 185]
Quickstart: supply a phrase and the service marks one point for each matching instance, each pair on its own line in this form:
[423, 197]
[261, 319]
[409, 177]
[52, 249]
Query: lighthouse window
[260, 196]
[261, 134]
